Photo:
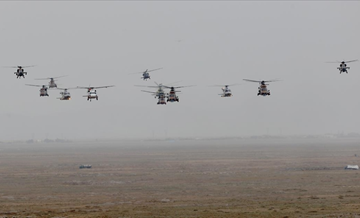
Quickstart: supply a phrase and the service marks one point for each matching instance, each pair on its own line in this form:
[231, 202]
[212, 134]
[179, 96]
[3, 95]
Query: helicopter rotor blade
[50, 78]
[178, 87]
[333, 62]
[34, 85]
[351, 61]
[94, 87]
[234, 84]
[149, 86]
[58, 77]
[149, 92]
[154, 69]
[19, 66]
[274, 80]
[146, 71]
[61, 88]
[101, 87]
[217, 86]
[250, 80]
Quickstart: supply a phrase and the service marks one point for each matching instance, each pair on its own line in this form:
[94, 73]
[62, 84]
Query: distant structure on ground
[84, 166]
[352, 167]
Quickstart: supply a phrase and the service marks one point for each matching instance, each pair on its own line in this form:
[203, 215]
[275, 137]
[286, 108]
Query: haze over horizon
[198, 43]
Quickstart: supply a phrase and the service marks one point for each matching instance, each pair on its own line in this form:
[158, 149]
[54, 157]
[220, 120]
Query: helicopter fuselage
[263, 90]
[226, 92]
[65, 95]
[343, 68]
[92, 95]
[52, 84]
[20, 74]
[43, 92]
[146, 76]
[161, 100]
[160, 93]
[172, 97]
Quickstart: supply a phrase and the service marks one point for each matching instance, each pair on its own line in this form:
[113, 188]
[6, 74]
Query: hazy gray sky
[201, 43]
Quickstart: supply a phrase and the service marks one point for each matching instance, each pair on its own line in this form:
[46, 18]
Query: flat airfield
[185, 178]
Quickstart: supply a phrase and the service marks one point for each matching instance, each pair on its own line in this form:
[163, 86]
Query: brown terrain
[198, 178]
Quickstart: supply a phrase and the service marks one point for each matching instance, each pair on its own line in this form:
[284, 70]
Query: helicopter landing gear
[18, 76]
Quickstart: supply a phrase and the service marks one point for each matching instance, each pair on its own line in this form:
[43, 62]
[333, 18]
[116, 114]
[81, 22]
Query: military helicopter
[226, 90]
[263, 90]
[146, 74]
[43, 89]
[52, 83]
[171, 96]
[343, 67]
[91, 92]
[20, 71]
[161, 100]
[160, 91]
[65, 95]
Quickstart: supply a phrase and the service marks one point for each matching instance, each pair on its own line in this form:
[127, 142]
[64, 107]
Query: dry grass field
[200, 178]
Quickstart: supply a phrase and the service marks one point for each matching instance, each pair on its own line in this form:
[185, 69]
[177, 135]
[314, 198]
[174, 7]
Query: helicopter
[146, 74]
[343, 67]
[52, 83]
[43, 89]
[226, 90]
[65, 95]
[20, 71]
[171, 96]
[160, 91]
[92, 92]
[263, 90]
[161, 100]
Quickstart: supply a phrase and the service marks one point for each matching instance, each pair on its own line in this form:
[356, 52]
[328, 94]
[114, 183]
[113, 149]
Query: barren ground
[204, 178]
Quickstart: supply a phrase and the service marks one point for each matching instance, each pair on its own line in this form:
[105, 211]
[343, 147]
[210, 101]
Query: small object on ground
[84, 166]
[352, 167]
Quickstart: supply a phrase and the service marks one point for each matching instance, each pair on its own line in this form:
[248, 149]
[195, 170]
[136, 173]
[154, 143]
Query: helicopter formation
[162, 96]
[226, 91]
[65, 94]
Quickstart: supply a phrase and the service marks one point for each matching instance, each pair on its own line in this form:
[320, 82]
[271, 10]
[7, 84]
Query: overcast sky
[200, 43]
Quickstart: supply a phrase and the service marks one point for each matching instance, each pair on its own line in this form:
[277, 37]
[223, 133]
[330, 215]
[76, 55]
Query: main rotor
[262, 82]
[342, 62]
